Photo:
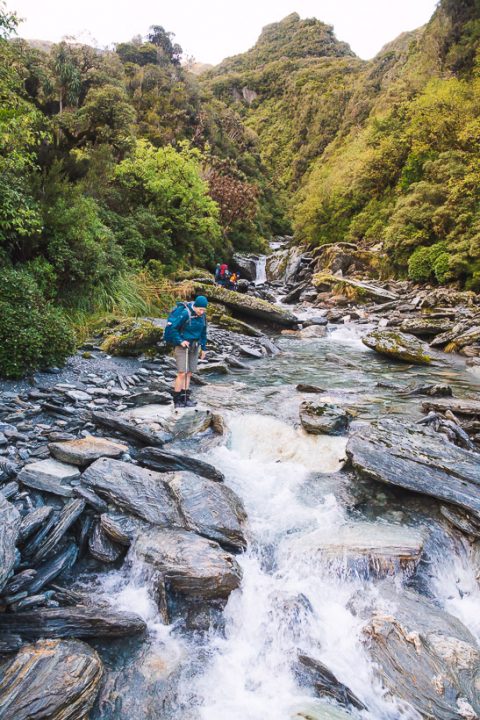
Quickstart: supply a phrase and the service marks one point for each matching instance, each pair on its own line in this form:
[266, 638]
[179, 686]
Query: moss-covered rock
[134, 339]
[237, 326]
[399, 346]
[469, 337]
[247, 305]
[354, 290]
[347, 258]
[323, 418]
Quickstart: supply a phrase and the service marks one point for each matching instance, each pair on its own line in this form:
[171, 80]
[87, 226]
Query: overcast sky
[211, 30]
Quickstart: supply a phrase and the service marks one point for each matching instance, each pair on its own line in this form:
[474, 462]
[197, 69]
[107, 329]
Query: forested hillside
[117, 169]
[382, 153]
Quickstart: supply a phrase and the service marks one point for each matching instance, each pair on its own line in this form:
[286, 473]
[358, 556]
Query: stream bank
[271, 578]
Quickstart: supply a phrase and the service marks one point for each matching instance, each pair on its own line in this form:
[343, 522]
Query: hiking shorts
[181, 358]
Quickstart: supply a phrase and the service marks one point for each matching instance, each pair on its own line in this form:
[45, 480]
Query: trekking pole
[186, 373]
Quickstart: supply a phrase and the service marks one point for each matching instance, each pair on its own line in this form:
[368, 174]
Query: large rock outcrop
[425, 657]
[418, 459]
[399, 346]
[248, 305]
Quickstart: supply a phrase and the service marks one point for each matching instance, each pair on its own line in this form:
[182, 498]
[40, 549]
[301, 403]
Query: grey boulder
[86, 450]
[54, 680]
[418, 459]
[191, 565]
[210, 509]
[323, 418]
[142, 492]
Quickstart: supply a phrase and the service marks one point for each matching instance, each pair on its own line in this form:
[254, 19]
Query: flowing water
[293, 598]
[260, 270]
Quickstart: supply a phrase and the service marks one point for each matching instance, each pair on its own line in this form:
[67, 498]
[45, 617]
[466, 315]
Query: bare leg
[182, 382]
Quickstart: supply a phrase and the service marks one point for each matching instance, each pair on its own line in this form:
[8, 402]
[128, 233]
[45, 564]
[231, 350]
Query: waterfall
[260, 270]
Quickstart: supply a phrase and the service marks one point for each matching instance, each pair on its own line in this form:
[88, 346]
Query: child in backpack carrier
[186, 331]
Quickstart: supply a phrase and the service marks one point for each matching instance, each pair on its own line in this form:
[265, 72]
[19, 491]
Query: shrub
[33, 334]
[428, 262]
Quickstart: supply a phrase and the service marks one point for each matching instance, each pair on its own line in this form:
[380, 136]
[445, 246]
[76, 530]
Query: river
[294, 599]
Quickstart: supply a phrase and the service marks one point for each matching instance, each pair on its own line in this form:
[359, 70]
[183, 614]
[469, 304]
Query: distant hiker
[232, 284]
[224, 274]
[217, 272]
[186, 330]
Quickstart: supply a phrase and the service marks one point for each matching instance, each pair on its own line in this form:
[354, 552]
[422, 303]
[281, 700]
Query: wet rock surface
[191, 565]
[210, 509]
[54, 680]
[417, 459]
[323, 418]
[143, 492]
[77, 622]
[426, 657]
[315, 674]
[165, 461]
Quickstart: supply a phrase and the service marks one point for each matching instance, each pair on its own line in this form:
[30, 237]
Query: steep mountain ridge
[380, 152]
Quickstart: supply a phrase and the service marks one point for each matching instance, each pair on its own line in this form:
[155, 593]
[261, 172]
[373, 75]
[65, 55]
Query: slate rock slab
[378, 548]
[468, 408]
[9, 527]
[142, 492]
[211, 509]
[86, 450]
[191, 565]
[50, 476]
[323, 418]
[67, 622]
[418, 459]
[51, 680]
[425, 656]
[165, 461]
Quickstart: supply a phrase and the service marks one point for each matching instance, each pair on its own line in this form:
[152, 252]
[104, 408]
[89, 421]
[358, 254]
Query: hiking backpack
[172, 320]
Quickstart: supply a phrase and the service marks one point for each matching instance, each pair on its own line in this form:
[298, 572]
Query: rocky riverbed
[273, 553]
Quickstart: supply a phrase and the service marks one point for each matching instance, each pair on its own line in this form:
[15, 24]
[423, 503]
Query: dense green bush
[163, 190]
[33, 333]
[80, 248]
[427, 263]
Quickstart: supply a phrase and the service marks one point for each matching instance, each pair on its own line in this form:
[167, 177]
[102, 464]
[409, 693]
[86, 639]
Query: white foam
[296, 605]
[350, 335]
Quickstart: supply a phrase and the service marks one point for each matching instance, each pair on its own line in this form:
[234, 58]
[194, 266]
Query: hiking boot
[179, 399]
[190, 402]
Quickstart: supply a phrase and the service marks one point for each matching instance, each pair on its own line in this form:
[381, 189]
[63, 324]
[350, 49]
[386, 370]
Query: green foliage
[106, 118]
[426, 263]
[80, 248]
[167, 51]
[33, 333]
[167, 184]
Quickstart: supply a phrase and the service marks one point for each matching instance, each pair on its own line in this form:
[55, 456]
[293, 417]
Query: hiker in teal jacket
[187, 331]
